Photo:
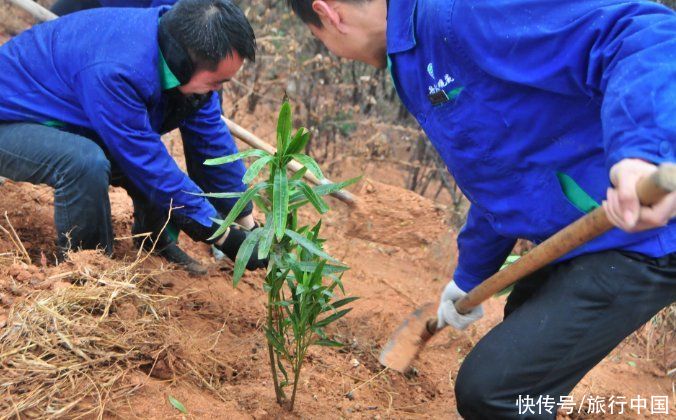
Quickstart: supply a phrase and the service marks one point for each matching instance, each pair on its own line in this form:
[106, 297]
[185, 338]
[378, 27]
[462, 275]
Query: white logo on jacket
[439, 84]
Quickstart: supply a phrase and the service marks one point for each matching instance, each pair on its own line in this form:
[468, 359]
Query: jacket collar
[400, 26]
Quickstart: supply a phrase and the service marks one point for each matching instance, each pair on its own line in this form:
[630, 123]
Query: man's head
[352, 29]
[217, 37]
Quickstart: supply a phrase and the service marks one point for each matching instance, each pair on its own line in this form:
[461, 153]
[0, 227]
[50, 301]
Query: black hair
[303, 9]
[210, 30]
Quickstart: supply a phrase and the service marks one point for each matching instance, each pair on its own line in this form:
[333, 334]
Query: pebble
[354, 362]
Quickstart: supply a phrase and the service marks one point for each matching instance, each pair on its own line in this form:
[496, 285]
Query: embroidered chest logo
[438, 92]
[438, 84]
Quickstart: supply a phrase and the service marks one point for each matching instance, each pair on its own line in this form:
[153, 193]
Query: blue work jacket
[100, 70]
[518, 95]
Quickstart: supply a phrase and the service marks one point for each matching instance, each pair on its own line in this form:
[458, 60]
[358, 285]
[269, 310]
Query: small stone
[355, 363]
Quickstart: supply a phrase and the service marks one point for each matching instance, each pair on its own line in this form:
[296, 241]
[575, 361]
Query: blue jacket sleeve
[112, 98]
[206, 136]
[481, 251]
[621, 53]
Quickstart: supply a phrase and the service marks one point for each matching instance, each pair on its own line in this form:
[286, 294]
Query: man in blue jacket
[540, 110]
[86, 97]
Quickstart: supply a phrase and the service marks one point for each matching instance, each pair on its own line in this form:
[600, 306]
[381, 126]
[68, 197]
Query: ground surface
[401, 250]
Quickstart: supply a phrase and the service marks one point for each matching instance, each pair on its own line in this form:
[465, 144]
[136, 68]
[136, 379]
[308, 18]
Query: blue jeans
[75, 167]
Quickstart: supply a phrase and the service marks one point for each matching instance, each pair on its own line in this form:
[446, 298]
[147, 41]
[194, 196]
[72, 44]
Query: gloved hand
[448, 315]
[230, 244]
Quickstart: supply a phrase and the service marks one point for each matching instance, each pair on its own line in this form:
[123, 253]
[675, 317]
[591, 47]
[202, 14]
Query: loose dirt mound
[385, 215]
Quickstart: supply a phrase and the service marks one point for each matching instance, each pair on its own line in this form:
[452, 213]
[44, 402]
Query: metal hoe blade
[408, 339]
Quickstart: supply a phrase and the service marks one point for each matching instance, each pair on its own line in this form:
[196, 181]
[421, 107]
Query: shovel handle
[650, 190]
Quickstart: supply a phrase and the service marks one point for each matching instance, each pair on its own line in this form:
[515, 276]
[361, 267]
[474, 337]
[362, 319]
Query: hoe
[421, 325]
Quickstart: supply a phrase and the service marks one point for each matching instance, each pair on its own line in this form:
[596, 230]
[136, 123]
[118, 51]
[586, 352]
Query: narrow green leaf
[309, 246]
[266, 241]
[328, 343]
[283, 128]
[310, 164]
[280, 202]
[298, 175]
[238, 207]
[296, 205]
[332, 318]
[237, 156]
[343, 302]
[316, 201]
[177, 405]
[243, 255]
[309, 267]
[262, 205]
[337, 186]
[218, 195]
[255, 168]
[299, 141]
[316, 278]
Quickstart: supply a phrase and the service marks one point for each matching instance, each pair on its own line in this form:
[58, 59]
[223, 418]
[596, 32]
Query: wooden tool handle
[649, 189]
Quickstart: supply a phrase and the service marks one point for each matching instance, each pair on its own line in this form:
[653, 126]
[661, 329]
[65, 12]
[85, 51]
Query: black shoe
[168, 249]
[172, 253]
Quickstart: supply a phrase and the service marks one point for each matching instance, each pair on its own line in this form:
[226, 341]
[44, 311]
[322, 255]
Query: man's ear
[328, 14]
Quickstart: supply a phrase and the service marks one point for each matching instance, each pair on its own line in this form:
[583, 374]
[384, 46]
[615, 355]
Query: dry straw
[65, 353]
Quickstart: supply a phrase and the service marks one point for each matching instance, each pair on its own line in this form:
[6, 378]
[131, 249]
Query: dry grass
[66, 351]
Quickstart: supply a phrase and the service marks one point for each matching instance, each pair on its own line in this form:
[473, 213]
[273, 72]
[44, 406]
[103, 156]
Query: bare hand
[622, 205]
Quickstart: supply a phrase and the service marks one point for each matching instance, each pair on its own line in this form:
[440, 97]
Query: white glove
[448, 315]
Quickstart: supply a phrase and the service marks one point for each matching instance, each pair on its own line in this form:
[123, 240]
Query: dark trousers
[80, 173]
[559, 323]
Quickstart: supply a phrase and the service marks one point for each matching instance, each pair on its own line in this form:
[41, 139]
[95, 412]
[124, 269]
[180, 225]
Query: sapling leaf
[237, 156]
[255, 168]
[260, 202]
[298, 175]
[295, 206]
[177, 405]
[266, 241]
[325, 189]
[299, 141]
[332, 318]
[316, 201]
[309, 267]
[343, 302]
[310, 164]
[283, 128]
[243, 255]
[237, 208]
[280, 202]
[328, 343]
[218, 195]
[309, 246]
